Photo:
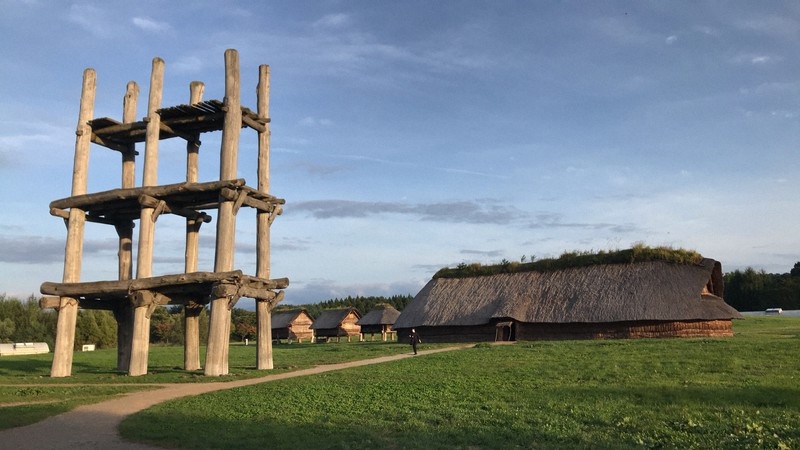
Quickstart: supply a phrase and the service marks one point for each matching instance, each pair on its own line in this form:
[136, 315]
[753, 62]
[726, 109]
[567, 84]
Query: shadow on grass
[590, 417]
[14, 367]
[21, 415]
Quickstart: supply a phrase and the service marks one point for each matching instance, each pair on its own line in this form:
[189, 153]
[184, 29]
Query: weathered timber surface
[185, 288]
[185, 199]
[183, 121]
[264, 359]
[73, 254]
[220, 319]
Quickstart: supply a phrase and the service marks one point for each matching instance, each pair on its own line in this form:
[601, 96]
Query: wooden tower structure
[133, 299]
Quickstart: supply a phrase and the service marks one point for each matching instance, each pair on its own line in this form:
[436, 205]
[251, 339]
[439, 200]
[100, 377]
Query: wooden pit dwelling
[133, 298]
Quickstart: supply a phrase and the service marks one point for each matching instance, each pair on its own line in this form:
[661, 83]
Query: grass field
[742, 392]
[165, 363]
[28, 394]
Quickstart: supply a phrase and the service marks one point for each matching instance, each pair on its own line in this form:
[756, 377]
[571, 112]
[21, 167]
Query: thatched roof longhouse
[653, 291]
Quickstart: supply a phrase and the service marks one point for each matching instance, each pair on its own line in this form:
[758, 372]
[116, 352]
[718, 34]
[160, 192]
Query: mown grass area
[28, 394]
[741, 392]
[165, 364]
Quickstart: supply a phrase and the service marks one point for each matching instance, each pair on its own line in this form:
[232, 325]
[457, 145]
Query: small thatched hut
[379, 320]
[293, 326]
[337, 323]
[642, 299]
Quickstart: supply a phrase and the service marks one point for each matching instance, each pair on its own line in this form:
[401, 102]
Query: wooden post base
[65, 338]
[218, 338]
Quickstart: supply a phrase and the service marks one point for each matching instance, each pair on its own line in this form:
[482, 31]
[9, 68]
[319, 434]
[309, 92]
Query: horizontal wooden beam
[120, 128]
[188, 137]
[163, 191]
[235, 195]
[254, 124]
[58, 212]
[122, 148]
[50, 302]
[187, 288]
[152, 202]
[146, 298]
[123, 287]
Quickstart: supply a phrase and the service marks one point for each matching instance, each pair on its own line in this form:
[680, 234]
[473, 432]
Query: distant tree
[244, 324]
[166, 326]
[362, 304]
[245, 331]
[95, 327]
[756, 290]
[6, 330]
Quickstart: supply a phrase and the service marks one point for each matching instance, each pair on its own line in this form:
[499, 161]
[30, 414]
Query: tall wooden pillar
[219, 325]
[263, 308]
[68, 307]
[191, 313]
[123, 313]
[140, 344]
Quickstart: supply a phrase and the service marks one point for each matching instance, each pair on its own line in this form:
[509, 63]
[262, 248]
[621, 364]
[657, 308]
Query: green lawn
[28, 394]
[165, 363]
[741, 392]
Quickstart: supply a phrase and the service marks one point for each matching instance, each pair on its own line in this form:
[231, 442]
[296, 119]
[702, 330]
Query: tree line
[25, 321]
[362, 304]
[756, 290]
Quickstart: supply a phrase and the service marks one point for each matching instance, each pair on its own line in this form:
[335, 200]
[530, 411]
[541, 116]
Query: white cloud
[188, 64]
[671, 39]
[708, 31]
[474, 212]
[148, 24]
[333, 21]
[310, 121]
[773, 88]
[92, 19]
[751, 58]
[777, 26]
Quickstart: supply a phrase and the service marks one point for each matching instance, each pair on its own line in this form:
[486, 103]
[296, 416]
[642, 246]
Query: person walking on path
[414, 340]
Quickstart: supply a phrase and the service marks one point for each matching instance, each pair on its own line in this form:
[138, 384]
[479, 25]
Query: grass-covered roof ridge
[638, 253]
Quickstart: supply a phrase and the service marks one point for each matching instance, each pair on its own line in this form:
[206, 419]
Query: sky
[415, 135]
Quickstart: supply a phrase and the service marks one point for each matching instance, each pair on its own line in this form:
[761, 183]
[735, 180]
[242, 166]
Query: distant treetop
[639, 253]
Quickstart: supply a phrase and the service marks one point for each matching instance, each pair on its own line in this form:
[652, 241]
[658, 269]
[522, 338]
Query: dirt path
[95, 426]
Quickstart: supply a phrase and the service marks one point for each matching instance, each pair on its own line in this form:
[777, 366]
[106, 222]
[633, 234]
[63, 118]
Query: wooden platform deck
[185, 121]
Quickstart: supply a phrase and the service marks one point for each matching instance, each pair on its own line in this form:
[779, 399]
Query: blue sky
[409, 136]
